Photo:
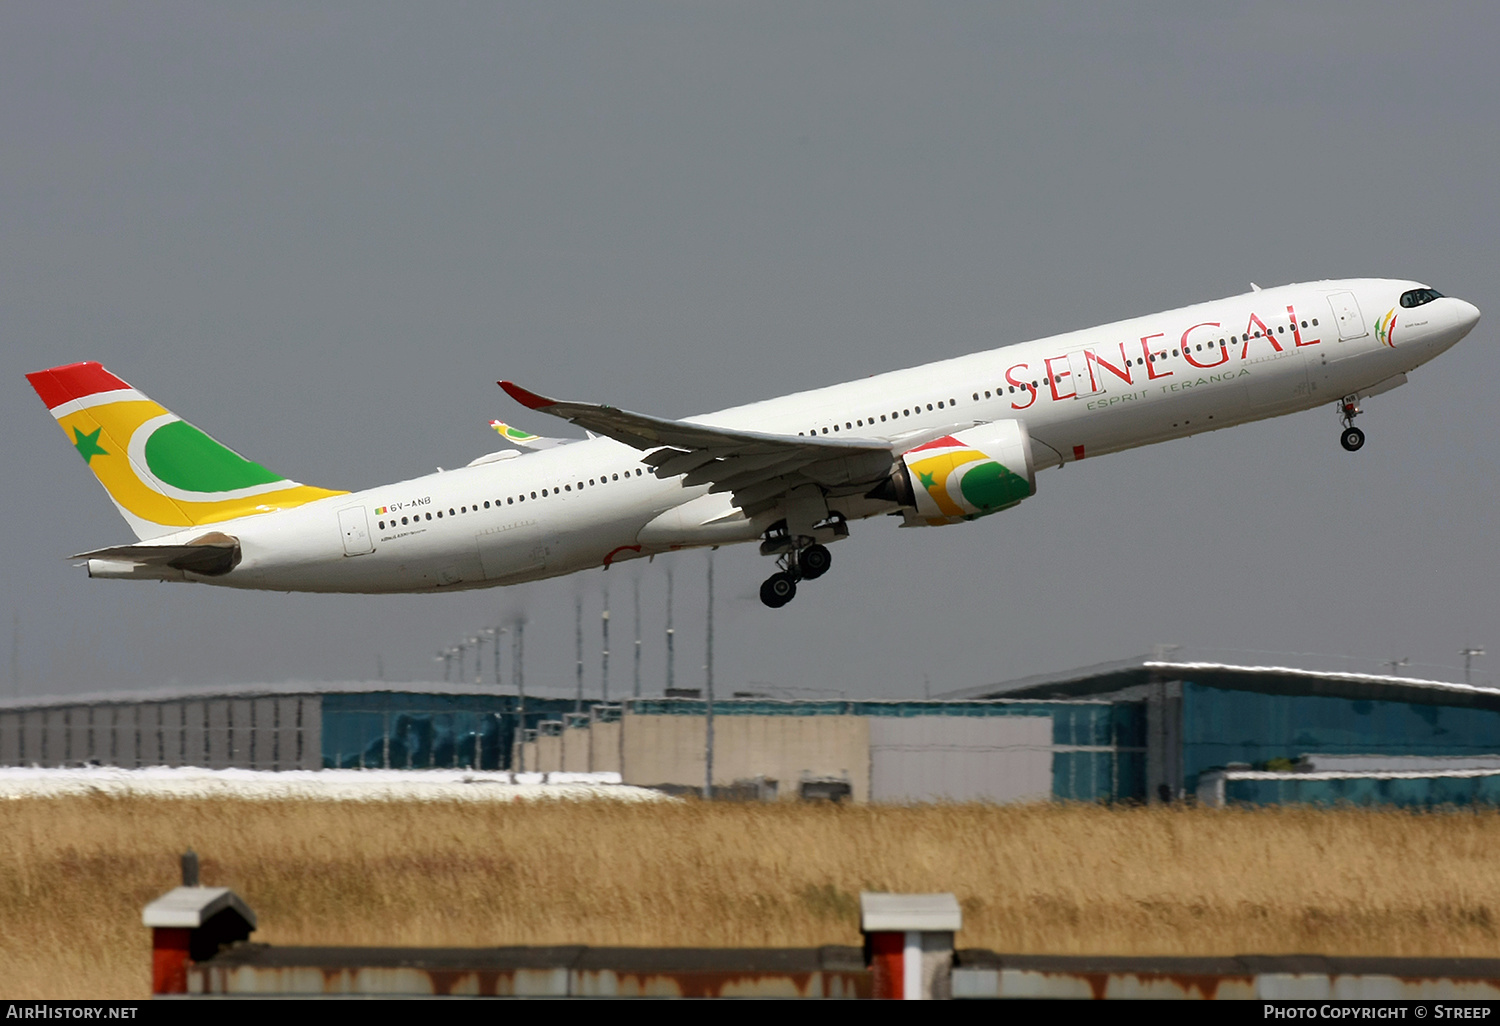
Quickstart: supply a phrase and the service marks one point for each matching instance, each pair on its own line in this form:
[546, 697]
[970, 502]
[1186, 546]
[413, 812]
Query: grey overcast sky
[322, 231]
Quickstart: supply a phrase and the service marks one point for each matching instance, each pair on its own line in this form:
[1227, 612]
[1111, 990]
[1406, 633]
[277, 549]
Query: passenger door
[355, 527]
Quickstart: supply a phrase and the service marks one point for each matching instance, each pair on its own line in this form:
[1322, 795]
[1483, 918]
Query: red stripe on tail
[76, 380]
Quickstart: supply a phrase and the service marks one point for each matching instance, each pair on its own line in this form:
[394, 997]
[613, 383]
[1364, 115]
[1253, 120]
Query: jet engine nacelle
[963, 476]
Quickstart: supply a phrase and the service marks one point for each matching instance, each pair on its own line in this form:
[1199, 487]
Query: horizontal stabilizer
[212, 555]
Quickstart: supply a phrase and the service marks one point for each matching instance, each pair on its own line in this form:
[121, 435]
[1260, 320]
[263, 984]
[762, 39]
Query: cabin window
[882, 418]
[1315, 322]
[512, 502]
[403, 520]
[929, 407]
[429, 516]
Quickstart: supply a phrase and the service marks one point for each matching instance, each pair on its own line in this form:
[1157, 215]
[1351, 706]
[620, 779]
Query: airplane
[939, 444]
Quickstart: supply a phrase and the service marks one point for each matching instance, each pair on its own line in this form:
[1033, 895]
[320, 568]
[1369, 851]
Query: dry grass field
[75, 873]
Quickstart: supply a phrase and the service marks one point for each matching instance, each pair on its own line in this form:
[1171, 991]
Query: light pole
[1396, 664]
[518, 654]
[578, 646]
[1469, 654]
[445, 658]
[477, 652]
[636, 691]
[670, 632]
[708, 688]
[495, 633]
[604, 651]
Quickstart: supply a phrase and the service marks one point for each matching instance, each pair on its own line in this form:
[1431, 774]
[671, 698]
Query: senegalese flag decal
[162, 472]
[959, 482]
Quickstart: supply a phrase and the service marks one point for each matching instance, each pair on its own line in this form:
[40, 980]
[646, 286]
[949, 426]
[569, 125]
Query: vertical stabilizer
[162, 473]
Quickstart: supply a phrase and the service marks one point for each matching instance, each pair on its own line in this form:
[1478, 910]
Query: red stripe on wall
[61, 384]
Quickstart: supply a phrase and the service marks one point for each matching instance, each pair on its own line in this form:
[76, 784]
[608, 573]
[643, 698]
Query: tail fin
[518, 437]
[162, 473]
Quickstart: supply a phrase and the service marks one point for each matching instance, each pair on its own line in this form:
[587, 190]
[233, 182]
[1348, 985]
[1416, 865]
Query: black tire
[778, 590]
[813, 561]
[1353, 439]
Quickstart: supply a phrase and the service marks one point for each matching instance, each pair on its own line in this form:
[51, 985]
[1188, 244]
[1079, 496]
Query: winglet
[530, 400]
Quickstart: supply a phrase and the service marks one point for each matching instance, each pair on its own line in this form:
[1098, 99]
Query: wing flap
[756, 467]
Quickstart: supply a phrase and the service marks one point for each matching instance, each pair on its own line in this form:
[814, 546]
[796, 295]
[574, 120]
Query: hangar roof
[177, 693]
[1108, 678]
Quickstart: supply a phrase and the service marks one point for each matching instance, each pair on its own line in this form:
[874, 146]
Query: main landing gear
[805, 564]
[1352, 439]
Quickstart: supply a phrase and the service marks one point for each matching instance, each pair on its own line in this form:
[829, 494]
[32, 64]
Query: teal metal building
[1265, 734]
[1135, 730]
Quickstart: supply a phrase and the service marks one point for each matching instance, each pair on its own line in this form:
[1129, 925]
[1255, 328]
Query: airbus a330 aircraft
[939, 444]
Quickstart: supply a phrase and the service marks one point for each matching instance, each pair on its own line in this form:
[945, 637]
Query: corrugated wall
[271, 732]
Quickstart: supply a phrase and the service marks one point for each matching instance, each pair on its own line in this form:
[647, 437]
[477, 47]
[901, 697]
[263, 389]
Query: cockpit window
[1420, 297]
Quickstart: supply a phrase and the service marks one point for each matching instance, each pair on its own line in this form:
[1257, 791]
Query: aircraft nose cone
[1468, 316]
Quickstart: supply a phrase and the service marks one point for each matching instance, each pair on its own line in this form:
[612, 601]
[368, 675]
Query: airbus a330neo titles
[939, 444]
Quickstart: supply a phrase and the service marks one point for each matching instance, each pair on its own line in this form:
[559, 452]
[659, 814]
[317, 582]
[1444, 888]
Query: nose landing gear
[1352, 438]
[801, 565]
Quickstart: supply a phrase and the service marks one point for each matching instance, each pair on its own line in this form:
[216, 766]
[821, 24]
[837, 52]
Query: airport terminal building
[1138, 730]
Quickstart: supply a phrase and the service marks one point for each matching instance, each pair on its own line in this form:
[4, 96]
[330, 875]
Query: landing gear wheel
[813, 561]
[1353, 439]
[778, 590]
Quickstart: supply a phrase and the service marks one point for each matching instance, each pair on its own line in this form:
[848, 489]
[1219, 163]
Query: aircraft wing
[758, 468]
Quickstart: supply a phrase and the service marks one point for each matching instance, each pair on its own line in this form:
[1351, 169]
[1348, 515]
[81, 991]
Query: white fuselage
[1079, 395]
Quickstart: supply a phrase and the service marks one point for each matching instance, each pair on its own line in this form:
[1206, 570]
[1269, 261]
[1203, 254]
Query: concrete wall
[669, 750]
[605, 741]
[548, 754]
[960, 758]
[576, 750]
